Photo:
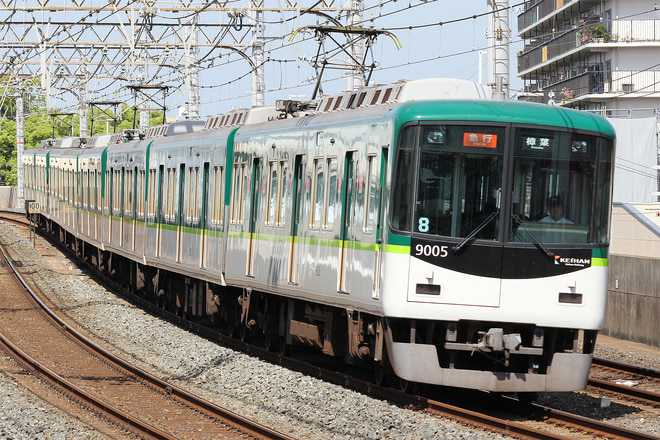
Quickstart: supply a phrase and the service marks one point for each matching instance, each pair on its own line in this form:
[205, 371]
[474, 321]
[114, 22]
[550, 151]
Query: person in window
[556, 212]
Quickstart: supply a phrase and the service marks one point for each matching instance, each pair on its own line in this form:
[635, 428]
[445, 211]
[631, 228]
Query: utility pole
[192, 70]
[84, 109]
[356, 72]
[20, 145]
[499, 37]
[258, 32]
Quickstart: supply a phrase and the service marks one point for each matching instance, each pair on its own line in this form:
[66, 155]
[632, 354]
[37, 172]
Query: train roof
[505, 112]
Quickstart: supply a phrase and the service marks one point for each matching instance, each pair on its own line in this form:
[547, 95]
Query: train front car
[500, 211]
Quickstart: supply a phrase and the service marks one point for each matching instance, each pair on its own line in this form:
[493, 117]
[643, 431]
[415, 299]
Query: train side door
[203, 220]
[159, 207]
[180, 213]
[297, 192]
[122, 201]
[379, 219]
[346, 233]
[254, 210]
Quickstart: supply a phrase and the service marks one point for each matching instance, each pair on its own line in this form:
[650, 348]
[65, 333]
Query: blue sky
[450, 50]
[428, 50]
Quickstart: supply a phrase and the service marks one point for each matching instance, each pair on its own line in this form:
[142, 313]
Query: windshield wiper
[457, 249]
[536, 241]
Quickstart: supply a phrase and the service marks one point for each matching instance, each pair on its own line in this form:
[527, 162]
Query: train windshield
[454, 176]
[561, 187]
[459, 180]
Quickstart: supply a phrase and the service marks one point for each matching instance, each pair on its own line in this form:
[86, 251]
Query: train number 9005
[429, 250]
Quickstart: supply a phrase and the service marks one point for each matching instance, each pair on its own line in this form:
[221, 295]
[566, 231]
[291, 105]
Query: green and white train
[414, 226]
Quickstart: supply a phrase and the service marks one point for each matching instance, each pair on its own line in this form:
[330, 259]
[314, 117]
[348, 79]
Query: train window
[195, 184]
[239, 182]
[116, 190]
[108, 192]
[272, 194]
[85, 187]
[330, 205]
[189, 196]
[403, 181]
[168, 193]
[318, 185]
[283, 194]
[371, 196]
[129, 193]
[151, 195]
[218, 181]
[97, 186]
[140, 193]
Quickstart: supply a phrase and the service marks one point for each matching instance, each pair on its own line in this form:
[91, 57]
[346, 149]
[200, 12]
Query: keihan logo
[579, 262]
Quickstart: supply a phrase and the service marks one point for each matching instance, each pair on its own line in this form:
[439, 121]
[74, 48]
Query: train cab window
[560, 187]
[456, 175]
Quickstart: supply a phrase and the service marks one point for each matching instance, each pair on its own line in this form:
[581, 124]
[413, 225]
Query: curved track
[539, 422]
[144, 404]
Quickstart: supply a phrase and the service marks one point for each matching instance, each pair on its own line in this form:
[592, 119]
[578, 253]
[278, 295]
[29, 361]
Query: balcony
[553, 48]
[598, 85]
[539, 11]
[623, 33]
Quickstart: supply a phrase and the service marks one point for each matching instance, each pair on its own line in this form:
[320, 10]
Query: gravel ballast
[291, 402]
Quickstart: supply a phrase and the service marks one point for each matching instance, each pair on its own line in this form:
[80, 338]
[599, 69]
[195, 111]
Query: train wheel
[272, 342]
[405, 386]
[380, 375]
[245, 333]
[285, 349]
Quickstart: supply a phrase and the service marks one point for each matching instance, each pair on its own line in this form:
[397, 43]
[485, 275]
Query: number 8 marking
[423, 225]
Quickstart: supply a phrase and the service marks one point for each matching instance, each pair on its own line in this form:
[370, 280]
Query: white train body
[382, 227]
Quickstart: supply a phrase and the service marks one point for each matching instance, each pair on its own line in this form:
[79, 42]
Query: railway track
[541, 423]
[122, 393]
[627, 380]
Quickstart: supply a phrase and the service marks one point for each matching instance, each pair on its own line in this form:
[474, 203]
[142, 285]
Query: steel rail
[241, 423]
[464, 415]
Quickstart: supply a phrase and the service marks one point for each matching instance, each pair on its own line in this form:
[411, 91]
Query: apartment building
[598, 55]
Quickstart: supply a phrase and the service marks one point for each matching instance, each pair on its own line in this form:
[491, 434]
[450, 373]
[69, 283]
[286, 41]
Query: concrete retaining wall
[8, 197]
[633, 300]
